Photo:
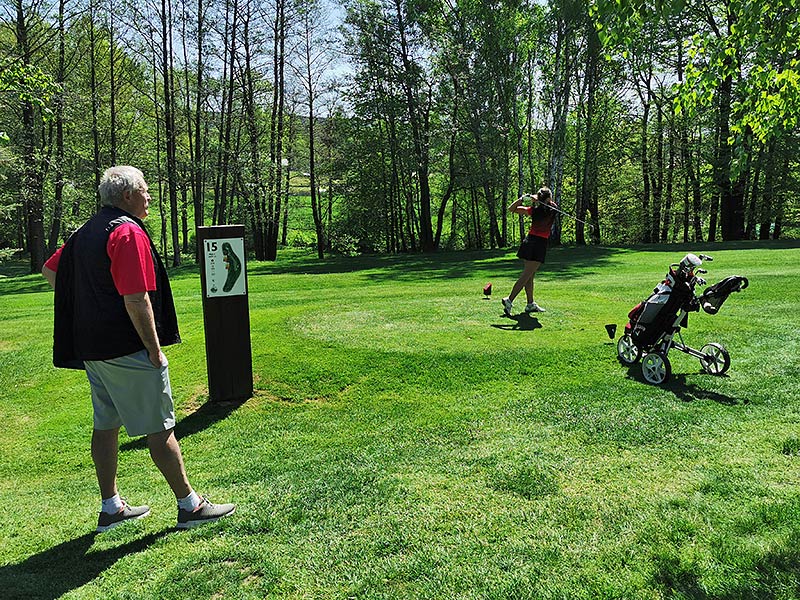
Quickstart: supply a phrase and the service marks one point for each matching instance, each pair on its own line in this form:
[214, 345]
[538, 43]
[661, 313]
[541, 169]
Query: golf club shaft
[555, 208]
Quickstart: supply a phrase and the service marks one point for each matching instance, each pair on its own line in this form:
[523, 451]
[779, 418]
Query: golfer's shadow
[521, 322]
[68, 566]
[203, 418]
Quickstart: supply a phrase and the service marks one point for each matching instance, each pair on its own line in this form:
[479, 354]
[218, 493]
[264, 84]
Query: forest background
[402, 125]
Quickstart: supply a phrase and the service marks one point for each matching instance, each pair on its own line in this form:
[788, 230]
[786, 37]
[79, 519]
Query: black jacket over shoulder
[90, 320]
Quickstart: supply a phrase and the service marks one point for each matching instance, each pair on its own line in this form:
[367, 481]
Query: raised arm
[517, 207]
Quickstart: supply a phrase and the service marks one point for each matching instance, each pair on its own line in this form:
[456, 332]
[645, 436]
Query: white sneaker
[533, 307]
[507, 304]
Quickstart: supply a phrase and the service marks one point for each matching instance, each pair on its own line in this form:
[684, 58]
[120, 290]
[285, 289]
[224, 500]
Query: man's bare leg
[166, 454]
[105, 448]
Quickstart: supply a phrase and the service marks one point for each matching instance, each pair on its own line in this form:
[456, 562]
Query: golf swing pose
[533, 248]
[113, 313]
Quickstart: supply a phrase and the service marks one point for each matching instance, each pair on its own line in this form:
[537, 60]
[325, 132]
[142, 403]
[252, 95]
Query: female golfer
[533, 248]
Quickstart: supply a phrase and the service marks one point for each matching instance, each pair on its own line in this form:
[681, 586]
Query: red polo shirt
[132, 266]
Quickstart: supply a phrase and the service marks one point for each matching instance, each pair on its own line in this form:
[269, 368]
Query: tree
[28, 32]
[60, 100]
[276, 127]
[393, 68]
[558, 73]
[743, 61]
[315, 57]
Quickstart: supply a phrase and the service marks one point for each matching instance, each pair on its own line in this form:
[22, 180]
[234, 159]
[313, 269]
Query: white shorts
[130, 391]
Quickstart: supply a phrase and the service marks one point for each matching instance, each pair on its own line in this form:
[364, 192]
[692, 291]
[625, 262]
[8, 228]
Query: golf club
[555, 208]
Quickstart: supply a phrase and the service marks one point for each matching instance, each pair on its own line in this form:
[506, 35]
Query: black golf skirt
[533, 247]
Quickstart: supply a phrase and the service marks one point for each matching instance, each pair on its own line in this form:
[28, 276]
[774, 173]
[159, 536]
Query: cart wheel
[716, 359]
[627, 352]
[656, 368]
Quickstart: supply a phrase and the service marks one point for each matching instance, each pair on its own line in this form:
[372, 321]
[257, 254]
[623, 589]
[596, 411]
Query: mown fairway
[407, 441]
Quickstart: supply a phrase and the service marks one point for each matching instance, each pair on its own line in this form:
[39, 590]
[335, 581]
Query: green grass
[406, 441]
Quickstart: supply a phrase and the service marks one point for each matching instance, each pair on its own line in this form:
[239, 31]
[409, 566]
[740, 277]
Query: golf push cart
[656, 322]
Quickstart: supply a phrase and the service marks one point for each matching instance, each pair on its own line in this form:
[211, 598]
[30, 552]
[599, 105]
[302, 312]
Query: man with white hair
[113, 313]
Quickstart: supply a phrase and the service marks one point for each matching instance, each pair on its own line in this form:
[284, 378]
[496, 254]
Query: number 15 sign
[225, 267]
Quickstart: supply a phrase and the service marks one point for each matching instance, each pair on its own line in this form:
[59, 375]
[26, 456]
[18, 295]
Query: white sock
[189, 503]
[112, 505]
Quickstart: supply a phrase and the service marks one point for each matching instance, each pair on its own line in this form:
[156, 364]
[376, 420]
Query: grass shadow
[15, 267]
[27, 284]
[682, 389]
[689, 392]
[201, 419]
[68, 566]
[777, 573]
[441, 265]
[520, 322]
[564, 261]
[677, 581]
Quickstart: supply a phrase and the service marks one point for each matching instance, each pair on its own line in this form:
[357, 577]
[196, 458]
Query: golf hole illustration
[234, 266]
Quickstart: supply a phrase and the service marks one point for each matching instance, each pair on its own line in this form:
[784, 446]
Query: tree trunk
[95, 102]
[291, 147]
[451, 166]
[692, 173]
[275, 181]
[58, 200]
[255, 201]
[780, 199]
[755, 191]
[113, 82]
[420, 123]
[31, 189]
[669, 176]
[591, 147]
[194, 122]
[647, 235]
[657, 174]
[562, 85]
[731, 193]
[316, 209]
[224, 156]
[198, 194]
[767, 201]
[159, 175]
[184, 219]
[169, 126]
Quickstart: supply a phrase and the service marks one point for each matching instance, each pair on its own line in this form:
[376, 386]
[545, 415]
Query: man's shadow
[205, 416]
[66, 567]
[521, 322]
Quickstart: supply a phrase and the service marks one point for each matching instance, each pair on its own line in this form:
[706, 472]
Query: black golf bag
[651, 318]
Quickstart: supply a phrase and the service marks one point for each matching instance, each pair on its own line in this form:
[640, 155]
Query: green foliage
[303, 240]
[753, 41]
[7, 253]
[344, 243]
[769, 36]
[28, 83]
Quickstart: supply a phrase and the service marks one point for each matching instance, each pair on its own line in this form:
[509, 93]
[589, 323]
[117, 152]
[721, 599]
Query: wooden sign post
[226, 314]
